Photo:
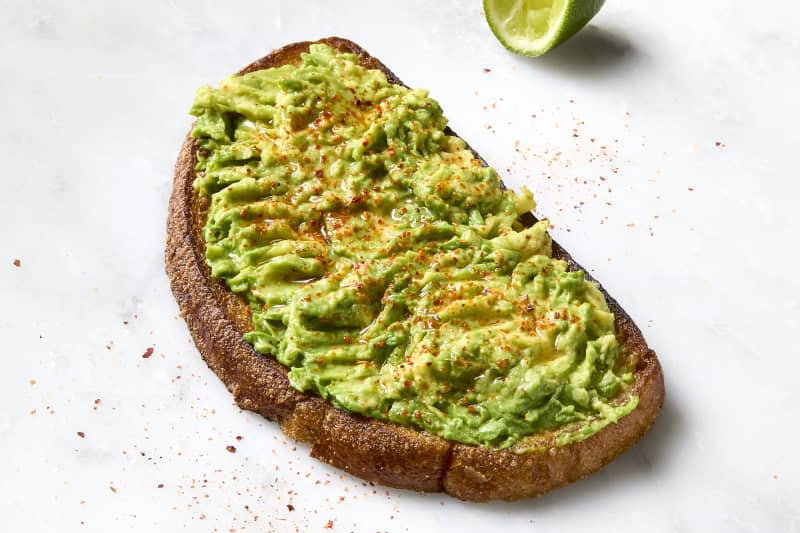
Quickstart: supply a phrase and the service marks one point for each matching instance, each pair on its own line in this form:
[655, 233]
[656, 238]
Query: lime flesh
[532, 27]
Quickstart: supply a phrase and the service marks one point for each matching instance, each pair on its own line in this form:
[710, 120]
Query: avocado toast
[476, 432]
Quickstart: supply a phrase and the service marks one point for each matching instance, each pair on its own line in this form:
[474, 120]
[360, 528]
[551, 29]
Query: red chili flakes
[691, 189]
[290, 507]
[329, 524]
[147, 353]
[239, 437]
[487, 70]
[81, 434]
[231, 449]
[112, 488]
[17, 263]
[160, 486]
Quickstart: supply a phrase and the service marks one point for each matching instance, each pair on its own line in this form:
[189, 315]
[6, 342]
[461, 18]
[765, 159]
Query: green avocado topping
[388, 268]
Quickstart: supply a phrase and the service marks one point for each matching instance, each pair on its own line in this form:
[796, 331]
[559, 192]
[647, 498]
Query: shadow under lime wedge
[533, 27]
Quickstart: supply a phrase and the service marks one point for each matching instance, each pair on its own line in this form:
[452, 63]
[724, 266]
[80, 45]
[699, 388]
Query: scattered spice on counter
[81, 434]
[17, 263]
[147, 353]
[329, 524]
[487, 70]
[290, 507]
[231, 449]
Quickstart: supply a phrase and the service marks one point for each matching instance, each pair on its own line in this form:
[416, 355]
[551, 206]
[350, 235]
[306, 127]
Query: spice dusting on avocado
[386, 266]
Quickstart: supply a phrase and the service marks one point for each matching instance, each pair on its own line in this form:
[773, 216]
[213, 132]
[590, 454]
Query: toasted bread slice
[374, 450]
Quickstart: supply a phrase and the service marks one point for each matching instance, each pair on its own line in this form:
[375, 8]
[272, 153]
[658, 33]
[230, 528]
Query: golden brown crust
[394, 455]
[371, 449]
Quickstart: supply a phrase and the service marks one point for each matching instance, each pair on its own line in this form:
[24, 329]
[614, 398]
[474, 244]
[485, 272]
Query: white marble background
[663, 141]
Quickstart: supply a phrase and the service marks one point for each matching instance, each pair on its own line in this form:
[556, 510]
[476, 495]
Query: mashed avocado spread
[387, 268]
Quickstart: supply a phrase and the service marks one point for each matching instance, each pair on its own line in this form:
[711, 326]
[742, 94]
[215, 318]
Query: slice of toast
[374, 450]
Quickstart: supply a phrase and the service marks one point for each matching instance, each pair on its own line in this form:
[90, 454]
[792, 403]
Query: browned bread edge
[371, 449]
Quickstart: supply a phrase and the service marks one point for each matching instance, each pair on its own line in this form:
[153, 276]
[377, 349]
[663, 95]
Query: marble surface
[662, 141]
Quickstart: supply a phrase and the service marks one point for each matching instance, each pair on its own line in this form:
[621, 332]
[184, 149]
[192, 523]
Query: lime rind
[533, 27]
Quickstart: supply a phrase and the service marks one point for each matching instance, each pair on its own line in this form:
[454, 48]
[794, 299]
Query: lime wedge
[532, 27]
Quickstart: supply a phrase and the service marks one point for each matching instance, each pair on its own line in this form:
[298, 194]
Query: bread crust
[372, 449]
